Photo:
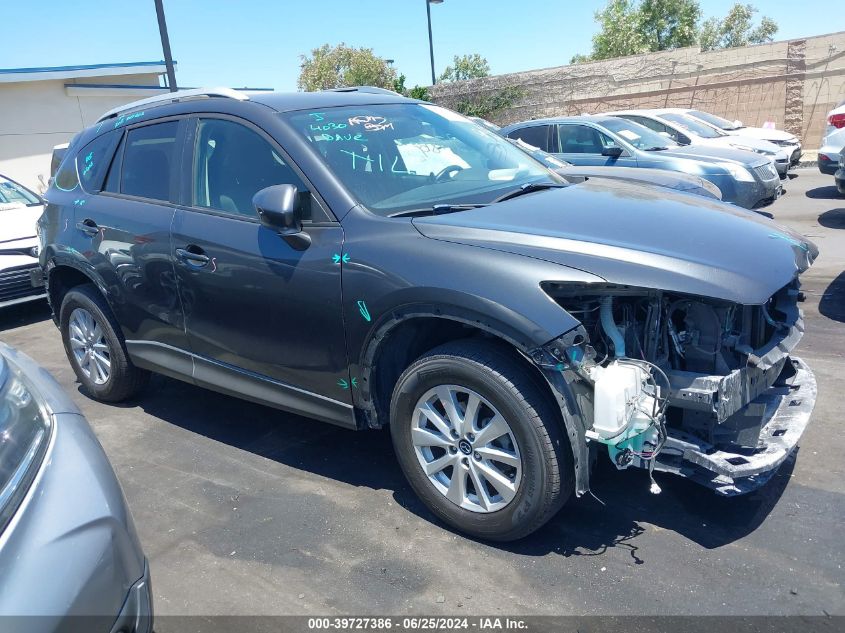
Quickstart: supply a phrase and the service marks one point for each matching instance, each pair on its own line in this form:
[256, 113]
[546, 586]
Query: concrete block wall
[792, 83]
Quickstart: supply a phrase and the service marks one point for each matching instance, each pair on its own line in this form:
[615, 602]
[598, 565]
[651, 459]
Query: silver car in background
[70, 559]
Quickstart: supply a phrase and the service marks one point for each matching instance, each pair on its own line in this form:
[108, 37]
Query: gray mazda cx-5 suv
[368, 260]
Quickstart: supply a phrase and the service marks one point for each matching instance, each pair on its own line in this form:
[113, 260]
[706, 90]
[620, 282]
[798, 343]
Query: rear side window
[536, 135]
[147, 161]
[93, 160]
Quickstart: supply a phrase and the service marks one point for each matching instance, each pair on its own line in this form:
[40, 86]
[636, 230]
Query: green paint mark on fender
[362, 307]
[344, 384]
[337, 258]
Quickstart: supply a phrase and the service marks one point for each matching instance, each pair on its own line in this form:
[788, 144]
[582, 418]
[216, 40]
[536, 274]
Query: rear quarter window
[93, 160]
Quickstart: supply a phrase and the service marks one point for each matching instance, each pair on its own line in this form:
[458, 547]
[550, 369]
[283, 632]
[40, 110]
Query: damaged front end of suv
[703, 388]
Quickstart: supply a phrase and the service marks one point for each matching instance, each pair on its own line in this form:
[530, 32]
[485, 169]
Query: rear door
[263, 319]
[584, 145]
[124, 230]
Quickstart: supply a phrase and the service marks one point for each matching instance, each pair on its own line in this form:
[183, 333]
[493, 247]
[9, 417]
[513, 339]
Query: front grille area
[766, 171]
[16, 283]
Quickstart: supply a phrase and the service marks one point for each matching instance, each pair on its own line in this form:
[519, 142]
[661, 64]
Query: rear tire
[522, 465]
[95, 347]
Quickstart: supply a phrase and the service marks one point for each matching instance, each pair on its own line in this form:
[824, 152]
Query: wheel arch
[410, 333]
[63, 275]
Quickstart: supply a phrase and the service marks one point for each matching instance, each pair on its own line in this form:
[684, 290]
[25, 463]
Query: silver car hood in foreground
[639, 236]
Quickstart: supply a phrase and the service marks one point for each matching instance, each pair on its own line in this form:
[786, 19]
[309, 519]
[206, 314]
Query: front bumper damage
[786, 405]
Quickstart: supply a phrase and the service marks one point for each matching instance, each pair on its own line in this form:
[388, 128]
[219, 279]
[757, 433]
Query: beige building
[44, 107]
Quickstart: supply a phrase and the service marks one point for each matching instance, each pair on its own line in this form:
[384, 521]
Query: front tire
[95, 348]
[480, 441]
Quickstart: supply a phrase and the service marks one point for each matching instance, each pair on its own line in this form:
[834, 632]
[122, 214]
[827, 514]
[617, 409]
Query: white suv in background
[20, 275]
[833, 141]
[785, 140]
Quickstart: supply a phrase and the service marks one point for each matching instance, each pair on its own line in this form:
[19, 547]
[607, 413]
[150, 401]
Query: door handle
[193, 255]
[88, 226]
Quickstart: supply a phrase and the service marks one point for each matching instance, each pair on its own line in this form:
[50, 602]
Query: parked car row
[746, 179]
[369, 260]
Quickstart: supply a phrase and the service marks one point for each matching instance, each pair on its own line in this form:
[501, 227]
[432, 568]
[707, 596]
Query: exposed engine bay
[698, 387]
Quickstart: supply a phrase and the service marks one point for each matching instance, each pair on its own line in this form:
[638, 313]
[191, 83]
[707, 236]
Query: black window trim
[180, 133]
[189, 143]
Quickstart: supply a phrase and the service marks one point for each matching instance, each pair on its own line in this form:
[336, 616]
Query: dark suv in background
[366, 259]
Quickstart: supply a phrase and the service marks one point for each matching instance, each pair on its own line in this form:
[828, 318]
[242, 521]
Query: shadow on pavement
[24, 314]
[832, 303]
[825, 193]
[833, 219]
[584, 527]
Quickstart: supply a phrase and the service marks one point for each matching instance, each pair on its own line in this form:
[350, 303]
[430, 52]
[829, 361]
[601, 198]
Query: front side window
[401, 157]
[11, 193]
[535, 135]
[147, 161]
[582, 139]
[232, 163]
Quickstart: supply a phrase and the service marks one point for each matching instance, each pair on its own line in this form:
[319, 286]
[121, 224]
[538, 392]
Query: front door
[261, 316]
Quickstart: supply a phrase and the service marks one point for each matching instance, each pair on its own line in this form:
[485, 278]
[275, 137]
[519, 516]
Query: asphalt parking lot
[246, 510]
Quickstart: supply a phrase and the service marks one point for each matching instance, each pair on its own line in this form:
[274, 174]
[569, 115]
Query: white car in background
[789, 142]
[20, 274]
[833, 141]
[686, 130]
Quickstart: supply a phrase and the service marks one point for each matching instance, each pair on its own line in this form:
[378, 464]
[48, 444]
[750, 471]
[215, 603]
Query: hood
[713, 154]
[638, 236]
[18, 222]
[643, 175]
[763, 133]
[754, 144]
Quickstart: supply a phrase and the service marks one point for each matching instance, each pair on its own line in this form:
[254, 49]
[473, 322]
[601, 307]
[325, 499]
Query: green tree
[619, 34]
[736, 29]
[342, 66]
[466, 67]
[630, 27]
[667, 24]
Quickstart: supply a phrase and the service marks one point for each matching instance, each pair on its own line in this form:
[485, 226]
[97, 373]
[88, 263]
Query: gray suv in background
[745, 179]
[70, 559]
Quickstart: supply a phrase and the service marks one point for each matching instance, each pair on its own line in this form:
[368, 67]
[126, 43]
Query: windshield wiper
[655, 149]
[437, 209]
[530, 187]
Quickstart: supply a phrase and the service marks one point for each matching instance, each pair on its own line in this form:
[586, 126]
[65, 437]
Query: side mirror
[614, 152]
[279, 209]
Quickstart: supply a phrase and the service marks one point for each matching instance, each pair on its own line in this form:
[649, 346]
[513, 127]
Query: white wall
[37, 115]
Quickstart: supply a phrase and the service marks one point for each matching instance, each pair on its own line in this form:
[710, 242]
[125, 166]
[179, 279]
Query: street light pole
[165, 45]
[428, 4]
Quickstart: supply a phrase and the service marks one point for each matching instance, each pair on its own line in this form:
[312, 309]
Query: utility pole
[165, 45]
[428, 4]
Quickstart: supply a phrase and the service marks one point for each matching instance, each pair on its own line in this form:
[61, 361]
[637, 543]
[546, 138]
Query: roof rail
[368, 89]
[174, 97]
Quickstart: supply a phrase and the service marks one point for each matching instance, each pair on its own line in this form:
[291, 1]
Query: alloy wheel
[466, 448]
[89, 346]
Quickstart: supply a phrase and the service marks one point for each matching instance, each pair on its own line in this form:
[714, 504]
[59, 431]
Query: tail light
[837, 120]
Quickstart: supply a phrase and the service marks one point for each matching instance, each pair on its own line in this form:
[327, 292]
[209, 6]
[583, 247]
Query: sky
[258, 43]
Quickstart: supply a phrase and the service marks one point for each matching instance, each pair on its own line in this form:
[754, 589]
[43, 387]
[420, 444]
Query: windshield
[712, 119]
[12, 194]
[691, 125]
[403, 156]
[638, 135]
